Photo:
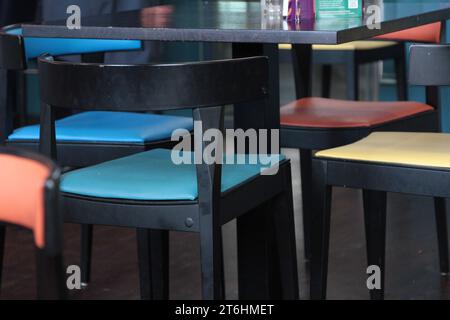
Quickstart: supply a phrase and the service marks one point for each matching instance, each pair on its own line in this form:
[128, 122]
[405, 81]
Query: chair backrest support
[204, 87]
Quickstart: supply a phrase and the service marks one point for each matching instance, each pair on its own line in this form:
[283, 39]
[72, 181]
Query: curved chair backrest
[29, 186]
[86, 86]
[28, 183]
[430, 65]
[12, 54]
[430, 33]
[202, 86]
[34, 47]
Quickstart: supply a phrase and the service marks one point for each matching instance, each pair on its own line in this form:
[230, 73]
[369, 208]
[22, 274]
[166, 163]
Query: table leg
[258, 272]
[302, 63]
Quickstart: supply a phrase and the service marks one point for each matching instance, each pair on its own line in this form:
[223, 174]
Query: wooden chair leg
[22, 98]
[50, 276]
[352, 74]
[211, 261]
[320, 231]
[401, 77]
[153, 257]
[326, 80]
[306, 176]
[257, 259]
[2, 250]
[440, 208]
[375, 225]
[283, 211]
[86, 253]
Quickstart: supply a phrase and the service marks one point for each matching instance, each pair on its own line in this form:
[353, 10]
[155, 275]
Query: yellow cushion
[355, 45]
[401, 148]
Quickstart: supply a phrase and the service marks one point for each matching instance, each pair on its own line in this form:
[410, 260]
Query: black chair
[413, 163]
[147, 190]
[353, 55]
[311, 124]
[79, 144]
[24, 172]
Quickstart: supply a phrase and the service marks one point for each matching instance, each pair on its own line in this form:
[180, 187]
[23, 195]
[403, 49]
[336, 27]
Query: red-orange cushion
[22, 183]
[427, 33]
[332, 113]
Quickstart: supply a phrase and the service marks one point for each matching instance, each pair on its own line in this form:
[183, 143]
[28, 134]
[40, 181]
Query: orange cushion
[332, 113]
[22, 184]
[427, 33]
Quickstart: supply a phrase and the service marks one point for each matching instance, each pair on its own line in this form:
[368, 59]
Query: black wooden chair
[85, 138]
[147, 190]
[24, 173]
[413, 163]
[311, 124]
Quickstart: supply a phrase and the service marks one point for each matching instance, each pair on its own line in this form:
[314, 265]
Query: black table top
[239, 21]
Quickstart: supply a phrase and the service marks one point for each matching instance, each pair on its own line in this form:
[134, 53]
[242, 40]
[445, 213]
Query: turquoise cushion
[34, 47]
[152, 175]
[110, 127]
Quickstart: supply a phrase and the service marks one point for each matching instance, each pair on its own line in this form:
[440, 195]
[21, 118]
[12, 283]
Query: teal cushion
[34, 47]
[110, 127]
[152, 175]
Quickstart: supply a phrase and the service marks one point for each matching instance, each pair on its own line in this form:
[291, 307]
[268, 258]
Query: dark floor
[412, 263]
[412, 259]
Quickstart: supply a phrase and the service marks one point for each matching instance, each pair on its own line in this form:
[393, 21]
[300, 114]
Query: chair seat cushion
[400, 148]
[110, 127]
[332, 113]
[349, 46]
[426, 33]
[34, 47]
[152, 175]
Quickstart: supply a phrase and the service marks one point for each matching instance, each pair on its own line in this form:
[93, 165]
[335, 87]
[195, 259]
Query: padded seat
[152, 175]
[34, 47]
[332, 113]
[109, 127]
[350, 46]
[399, 148]
[426, 33]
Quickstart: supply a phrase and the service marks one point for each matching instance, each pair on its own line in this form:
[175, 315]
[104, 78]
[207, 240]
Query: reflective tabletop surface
[239, 21]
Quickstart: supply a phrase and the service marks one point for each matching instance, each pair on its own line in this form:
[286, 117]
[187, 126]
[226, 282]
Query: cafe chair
[24, 173]
[85, 138]
[355, 54]
[91, 50]
[321, 123]
[148, 191]
[413, 163]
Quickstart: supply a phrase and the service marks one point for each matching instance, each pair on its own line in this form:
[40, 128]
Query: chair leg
[326, 80]
[86, 253]
[400, 74]
[442, 233]
[283, 214]
[306, 176]
[320, 231]
[50, 276]
[153, 257]
[211, 261]
[2, 250]
[352, 80]
[257, 260]
[22, 98]
[375, 224]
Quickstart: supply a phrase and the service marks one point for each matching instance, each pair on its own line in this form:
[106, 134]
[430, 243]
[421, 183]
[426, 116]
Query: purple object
[307, 9]
[300, 10]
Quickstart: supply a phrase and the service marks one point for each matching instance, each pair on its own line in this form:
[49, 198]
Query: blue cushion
[152, 175]
[34, 47]
[110, 127]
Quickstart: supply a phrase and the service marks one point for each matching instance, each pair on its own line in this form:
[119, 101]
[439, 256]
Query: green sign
[338, 8]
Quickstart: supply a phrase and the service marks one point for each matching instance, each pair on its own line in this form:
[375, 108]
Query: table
[241, 24]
